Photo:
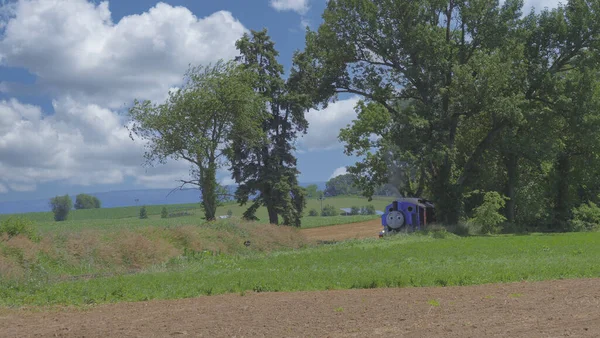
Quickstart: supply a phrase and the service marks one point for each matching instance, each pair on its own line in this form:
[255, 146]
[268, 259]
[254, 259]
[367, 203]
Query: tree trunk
[511, 161]
[561, 205]
[273, 217]
[447, 198]
[208, 186]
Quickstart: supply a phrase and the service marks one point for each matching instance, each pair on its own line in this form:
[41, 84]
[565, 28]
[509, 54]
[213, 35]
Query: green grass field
[399, 261]
[128, 216]
[110, 255]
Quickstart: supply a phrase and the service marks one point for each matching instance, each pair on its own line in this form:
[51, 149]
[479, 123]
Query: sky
[70, 68]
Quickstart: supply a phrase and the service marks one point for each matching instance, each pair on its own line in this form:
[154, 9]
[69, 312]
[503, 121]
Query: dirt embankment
[342, 232]
[543, 309]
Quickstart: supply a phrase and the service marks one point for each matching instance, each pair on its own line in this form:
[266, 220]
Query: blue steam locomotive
[407, 214]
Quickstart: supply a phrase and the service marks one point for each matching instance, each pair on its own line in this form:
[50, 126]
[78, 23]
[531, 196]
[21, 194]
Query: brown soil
[345, 231]
[542, 309]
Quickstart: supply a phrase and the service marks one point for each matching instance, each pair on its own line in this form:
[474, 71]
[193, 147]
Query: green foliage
[229, 212]
[313, 212]
[61, 206]
[143, 212]
[84, 201]
[341, 185]
[354, 210]
[427, 261]
[14, 226]
[129, 216]
[459, 96]
[216, 105]
[369, 210]
[312, 191]
[329, 210]
[487, 215]
[268, 170]
[102, 214]
[586, 217]
[164, 213]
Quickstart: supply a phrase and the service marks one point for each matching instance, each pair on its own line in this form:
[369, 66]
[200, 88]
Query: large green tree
[457, 63]
[61, 206]
[563, 74]
[85, 201]
[341, 185]
[268, 171]
[200, 122]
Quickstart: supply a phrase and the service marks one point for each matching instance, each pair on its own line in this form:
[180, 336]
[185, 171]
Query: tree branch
[353, 91]
[181, 186]
[481, 147]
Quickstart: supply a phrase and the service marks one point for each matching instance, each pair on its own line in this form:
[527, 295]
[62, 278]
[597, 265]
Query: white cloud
[21, 187]
[3, 189]
[91, 66]
[79, 144]
[338, 172]
[75, 49]
[227, 181]
[304, 22]
[299, 6]
[324, 125]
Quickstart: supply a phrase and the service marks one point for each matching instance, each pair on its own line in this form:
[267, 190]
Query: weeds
[433, 302]
[401, 261]
[15, 226]
[93, 252]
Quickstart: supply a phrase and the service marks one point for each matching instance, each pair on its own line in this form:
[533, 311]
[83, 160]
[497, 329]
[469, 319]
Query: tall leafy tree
[340, 185]
[456, 61]
[556, 149]
[200, 123]
[528, 161]
[268, 171]
[61, 206]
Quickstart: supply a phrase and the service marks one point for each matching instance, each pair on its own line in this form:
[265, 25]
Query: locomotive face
[395, 219]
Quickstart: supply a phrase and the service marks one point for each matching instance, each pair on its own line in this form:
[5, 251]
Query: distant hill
[125, 198]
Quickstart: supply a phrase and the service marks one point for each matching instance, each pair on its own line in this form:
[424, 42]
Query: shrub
[486, 216]
[329, 210]
[369, 210]
[164, 213]
[84, 201]
[460, 229]
[586, 217]
[229, 213]
[143, 212]
[61, 205]
[313, 212]
[14, 226]
[354, 211]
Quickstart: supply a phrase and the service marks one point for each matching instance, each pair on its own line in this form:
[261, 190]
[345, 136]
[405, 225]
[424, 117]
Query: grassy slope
[128, 216]
[414, 260]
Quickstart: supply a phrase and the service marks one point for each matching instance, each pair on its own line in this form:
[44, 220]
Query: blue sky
[70, 68]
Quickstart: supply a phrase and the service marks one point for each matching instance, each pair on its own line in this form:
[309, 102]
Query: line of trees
[459, 99]
[345, 185]
[462, 96]
[62, 205]
[240, 114]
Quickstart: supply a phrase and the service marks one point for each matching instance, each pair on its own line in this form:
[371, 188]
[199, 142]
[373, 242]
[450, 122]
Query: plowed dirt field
[345, 231]
[542, 309]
